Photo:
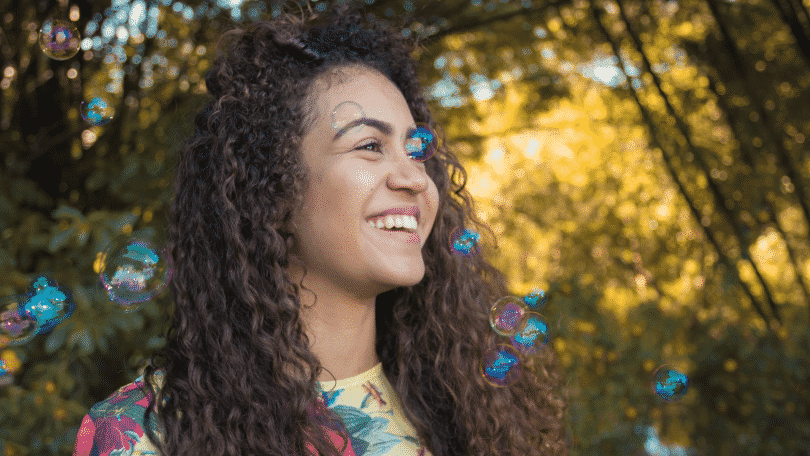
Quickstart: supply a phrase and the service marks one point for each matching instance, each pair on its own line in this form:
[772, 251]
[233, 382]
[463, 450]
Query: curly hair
[240, 378]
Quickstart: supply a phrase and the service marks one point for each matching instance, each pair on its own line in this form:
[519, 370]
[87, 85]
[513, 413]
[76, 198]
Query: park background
[645, 163]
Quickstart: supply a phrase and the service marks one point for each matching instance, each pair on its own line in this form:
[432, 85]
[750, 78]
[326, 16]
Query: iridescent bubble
[500, 366]
[48, 302]
[133, 270]
[531, 333]
[421, 142]
[59, 39]
[505, 315]
[98, 111]
[464, 242]
[16, 327]
[345, 114]
[669, 383]
[535, 300]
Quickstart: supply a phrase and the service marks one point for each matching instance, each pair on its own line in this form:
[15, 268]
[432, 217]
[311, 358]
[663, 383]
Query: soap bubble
[48, 302]
[500, 366]
[421, 142]
[345, 113]
[530, 334]
[669, 383]
[133, 270]
[464, 242]
[16, 327]
[98, 111]
[59, 39]
[505, 315]
[535, 300]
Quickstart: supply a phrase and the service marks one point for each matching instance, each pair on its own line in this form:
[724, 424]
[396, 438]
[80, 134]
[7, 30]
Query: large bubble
[505, 315]
[59, 39]
[500, 366]
[133, 270]
[49, 302]
[530, 334]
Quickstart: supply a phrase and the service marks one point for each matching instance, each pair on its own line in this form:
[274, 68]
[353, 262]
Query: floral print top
[366, 402]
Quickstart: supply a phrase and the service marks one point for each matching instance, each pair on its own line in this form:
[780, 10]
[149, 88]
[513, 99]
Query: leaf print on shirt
[374, 393]
[367, 434]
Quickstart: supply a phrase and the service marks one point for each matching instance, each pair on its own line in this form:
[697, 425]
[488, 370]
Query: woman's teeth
[406, 222]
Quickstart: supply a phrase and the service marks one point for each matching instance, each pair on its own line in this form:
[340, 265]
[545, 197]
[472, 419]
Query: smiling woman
[318, 308]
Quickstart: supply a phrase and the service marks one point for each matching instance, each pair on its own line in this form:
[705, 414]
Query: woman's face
[351, 180]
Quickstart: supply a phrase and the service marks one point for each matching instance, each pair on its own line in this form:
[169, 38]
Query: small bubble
[535, 300]
[16, 327]
[669, 383]
[464, 242]
[500, 366]
[98, 111]
[505, 315]
[421, 142]
[531, 333]
[345, 113]
[134, 269]
[59, 39]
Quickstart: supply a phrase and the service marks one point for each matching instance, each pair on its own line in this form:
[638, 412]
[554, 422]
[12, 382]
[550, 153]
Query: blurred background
[644, 162]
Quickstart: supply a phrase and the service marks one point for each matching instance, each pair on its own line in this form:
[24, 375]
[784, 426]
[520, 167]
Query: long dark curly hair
[239, 377]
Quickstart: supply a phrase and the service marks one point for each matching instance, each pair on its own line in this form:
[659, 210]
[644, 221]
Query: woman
[304, 322]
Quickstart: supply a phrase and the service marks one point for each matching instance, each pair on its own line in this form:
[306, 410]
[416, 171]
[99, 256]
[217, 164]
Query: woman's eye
[376, 145]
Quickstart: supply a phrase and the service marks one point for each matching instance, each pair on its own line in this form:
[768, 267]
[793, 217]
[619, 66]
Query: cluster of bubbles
[519, 319]
[133, 269]
[420, 141]
[60, 40]
[527, 330]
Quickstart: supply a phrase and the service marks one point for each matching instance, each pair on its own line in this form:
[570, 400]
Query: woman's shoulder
[132, 396]
[118, 422]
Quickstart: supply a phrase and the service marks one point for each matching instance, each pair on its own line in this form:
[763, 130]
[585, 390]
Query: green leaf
[68, 212]
[60, 239]
[56, 339]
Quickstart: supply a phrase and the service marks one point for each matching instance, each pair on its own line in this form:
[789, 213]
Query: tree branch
[685, 132]
[656, 143]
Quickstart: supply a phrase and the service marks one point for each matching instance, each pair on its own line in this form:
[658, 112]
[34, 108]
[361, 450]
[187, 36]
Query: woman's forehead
[348, 84]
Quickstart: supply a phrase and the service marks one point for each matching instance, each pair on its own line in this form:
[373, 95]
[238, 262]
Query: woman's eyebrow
[384, 127]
